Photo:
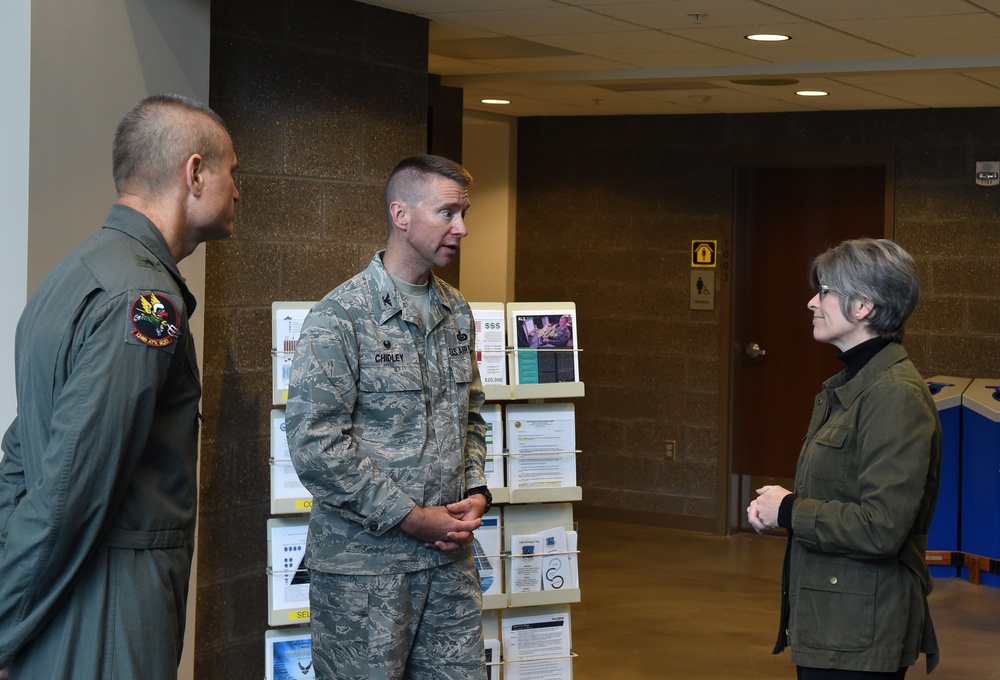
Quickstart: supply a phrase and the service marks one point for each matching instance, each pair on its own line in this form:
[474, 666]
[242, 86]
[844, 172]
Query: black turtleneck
[856, 357]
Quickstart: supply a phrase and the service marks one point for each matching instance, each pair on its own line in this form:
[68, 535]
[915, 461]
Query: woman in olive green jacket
[854, 587]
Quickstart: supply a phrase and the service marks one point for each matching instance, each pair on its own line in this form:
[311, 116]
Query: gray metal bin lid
[947, 390]
[983, 397]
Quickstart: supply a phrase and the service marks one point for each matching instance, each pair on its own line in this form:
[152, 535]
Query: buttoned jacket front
[383, 414]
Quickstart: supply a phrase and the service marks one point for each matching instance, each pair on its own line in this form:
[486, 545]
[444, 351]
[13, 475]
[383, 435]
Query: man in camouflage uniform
[384, 430]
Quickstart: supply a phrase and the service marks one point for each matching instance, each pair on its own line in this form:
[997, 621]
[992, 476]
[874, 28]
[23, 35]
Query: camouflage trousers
[424, 625]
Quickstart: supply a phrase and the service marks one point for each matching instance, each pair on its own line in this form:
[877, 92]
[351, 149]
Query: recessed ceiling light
[495, 101]
[812, 93]
[767, 37]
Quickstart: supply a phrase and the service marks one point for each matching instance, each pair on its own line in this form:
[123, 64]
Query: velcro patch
[153, 320]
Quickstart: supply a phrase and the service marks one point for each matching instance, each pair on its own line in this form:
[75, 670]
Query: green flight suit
[98, 480]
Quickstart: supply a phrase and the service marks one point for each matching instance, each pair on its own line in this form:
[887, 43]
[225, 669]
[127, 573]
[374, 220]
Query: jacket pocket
[836, 607]
[390, 377]
[390, 406]
[829, 459]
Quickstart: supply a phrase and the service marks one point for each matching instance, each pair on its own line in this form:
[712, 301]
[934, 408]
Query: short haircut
[411, 174]
[877, 270]
[159, 134]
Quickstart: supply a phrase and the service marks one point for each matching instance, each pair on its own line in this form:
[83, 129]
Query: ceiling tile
[879, 9]
[545, 21]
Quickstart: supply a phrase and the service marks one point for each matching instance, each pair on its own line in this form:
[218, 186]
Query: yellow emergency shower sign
[703, 253]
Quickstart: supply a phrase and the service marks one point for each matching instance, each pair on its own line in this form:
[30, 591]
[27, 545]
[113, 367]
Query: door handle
[755, 351]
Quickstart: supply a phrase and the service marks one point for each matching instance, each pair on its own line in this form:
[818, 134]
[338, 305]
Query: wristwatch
[482, 491]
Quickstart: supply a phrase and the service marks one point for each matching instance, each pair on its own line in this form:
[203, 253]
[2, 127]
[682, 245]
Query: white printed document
[526, 563]
[287, 492]
[286, 324]
[491, 344]
[289, 579]
[541, 439]
[555, 560]
[536, 646]
[492, 649]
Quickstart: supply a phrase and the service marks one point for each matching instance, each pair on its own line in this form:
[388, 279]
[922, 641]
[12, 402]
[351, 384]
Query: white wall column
[489, 152]
[71, 70]
[15, 59]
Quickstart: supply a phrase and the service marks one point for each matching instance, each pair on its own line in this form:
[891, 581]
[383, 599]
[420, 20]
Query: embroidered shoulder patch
[153, 320]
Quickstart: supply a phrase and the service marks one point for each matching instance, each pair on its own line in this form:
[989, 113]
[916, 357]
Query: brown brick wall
[607, 209]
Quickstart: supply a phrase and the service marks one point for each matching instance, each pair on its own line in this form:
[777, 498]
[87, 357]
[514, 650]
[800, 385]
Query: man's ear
[400, 215]
[193, 174]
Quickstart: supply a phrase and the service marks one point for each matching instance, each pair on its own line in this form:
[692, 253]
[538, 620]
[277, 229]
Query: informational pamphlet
[287, 493]
[491, 343]
[486, 553]
[545, 342]
[536, 646]
[289, 583]
[544, 561]
[541, 439]
[526, 563]
[288, 655]
[286, 324]
[495, 476]
[555, 560]
[492, 648]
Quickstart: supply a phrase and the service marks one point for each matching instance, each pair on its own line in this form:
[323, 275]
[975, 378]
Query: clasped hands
[446, 527]
[763, 511]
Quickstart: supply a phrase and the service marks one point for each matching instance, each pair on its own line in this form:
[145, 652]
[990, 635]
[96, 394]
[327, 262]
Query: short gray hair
[877, 270]
[411, 173]
[158, 134]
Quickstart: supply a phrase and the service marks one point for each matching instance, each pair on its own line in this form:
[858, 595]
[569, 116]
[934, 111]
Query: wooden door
[786, 216]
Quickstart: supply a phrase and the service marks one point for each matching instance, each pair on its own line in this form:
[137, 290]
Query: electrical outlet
[671, 449]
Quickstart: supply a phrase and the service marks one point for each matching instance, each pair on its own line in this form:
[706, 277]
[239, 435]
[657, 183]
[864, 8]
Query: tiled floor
[666, 604]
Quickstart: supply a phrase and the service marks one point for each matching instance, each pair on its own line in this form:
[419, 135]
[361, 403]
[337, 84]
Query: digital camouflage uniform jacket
[383, 414]
[855, 586]
[97, 483]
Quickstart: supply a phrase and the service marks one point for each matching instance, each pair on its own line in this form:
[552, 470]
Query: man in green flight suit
[97, 481]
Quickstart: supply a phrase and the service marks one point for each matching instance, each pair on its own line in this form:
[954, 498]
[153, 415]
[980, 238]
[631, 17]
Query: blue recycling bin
[944, 532]
[980, 500]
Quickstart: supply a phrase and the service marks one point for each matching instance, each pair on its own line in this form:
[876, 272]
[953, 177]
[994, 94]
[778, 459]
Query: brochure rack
[287, 594]
[540, 363]
[529, 519]
[537, 371]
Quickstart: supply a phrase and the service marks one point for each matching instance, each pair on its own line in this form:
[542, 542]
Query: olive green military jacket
[383, 414]
[855, 585]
